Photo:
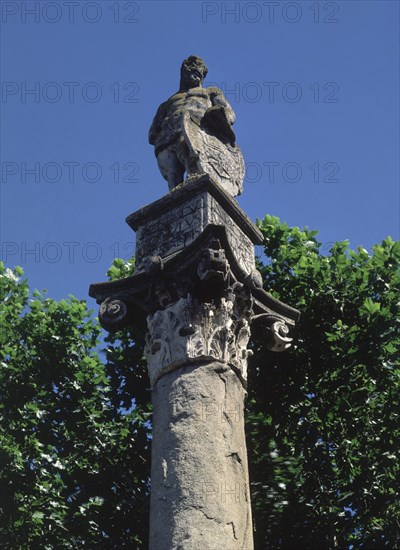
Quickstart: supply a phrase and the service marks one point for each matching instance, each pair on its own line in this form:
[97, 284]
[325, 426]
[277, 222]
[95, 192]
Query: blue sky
[314, 86]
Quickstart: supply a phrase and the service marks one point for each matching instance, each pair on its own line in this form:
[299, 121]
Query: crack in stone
[218, 521]
[235, 455]
[207, 516]
[218, 371]
[228, 419]
[233, 529]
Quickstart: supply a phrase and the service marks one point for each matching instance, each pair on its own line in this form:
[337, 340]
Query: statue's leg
[187, 156]
[170, 167]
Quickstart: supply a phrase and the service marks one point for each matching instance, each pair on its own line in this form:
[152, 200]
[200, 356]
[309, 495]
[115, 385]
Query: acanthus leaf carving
[189, 331]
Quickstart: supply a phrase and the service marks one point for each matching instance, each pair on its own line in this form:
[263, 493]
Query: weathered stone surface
[244, 249]
[192, 132]
[190, 332]
[199, 476]
[113, 313]
[184, 214]
[210, 155]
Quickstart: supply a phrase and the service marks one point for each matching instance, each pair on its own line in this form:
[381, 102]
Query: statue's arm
[218, 99]
[156, 124]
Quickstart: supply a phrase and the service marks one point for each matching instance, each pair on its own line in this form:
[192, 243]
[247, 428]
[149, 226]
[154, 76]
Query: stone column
[197, 290]
[197, 361]
[199, 476]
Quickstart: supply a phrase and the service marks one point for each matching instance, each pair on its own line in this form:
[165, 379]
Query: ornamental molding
[191, 331]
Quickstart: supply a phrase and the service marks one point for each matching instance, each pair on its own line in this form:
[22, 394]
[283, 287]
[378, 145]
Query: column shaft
[199, 479]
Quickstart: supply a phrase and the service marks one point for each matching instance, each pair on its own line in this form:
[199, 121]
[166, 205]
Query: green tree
[73, 464]
[323, 421]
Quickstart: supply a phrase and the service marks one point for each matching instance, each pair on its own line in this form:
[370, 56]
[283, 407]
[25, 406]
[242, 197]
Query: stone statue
[192, 132]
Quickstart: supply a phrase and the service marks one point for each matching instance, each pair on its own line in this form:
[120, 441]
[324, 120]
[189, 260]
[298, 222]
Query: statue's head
[193, 72]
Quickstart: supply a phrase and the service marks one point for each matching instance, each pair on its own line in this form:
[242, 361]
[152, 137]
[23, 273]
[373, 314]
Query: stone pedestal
[197, 292]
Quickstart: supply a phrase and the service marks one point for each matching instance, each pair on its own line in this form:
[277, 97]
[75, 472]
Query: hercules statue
[192, 132]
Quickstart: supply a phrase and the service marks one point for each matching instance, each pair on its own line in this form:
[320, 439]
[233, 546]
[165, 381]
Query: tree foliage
[322, 418]
[73, 466]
